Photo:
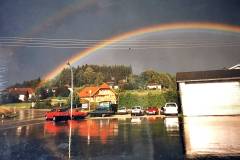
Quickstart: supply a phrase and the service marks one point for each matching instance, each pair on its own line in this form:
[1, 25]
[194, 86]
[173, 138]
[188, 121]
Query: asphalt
[29, 136]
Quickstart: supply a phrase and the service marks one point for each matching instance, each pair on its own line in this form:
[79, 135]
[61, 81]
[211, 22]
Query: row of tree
[119, 74]
[150, 77]
[93, 74]
[31, 84]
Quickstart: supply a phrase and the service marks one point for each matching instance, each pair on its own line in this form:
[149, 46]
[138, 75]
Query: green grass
[17, 105]
[143, 92]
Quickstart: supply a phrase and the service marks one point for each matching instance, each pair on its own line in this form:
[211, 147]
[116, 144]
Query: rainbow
[141, 31]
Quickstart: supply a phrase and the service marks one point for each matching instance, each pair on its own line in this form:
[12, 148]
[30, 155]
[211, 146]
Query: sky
[89, 20]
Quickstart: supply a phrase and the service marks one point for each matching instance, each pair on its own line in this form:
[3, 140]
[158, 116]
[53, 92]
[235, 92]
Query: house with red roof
[97, 94]
[23, 94]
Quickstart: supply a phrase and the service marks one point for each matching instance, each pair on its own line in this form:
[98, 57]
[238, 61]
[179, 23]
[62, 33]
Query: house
[215, 92]
[154, 86]
[23, 94]
[235, 67]
[113, 85]
[97, 94]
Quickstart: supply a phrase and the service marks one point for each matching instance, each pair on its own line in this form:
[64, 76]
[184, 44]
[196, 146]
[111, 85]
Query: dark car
[101, 112]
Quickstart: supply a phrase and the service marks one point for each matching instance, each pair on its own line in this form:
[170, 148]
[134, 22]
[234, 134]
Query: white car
[170, 109]
[122, 110]
[137, 110]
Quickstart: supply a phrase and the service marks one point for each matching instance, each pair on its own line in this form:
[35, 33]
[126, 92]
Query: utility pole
[90, 92]
[71, 89]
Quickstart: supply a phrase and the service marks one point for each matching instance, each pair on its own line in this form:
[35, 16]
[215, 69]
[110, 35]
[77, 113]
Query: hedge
[151, 99]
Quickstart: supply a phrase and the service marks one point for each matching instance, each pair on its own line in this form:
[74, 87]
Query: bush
[171, 96]
[46, 104]
[151, 99]
[156, 99]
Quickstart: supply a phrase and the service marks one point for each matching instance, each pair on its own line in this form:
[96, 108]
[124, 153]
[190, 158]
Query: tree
[42, 93]
[78, 77]
[99, 78]
[89, 76]
[62, 91]
[164, 80]
[31, 83]
[150, 76]
[76, 100]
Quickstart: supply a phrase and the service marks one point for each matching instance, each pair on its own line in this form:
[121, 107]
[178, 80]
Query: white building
[154, 86]
[209, 92]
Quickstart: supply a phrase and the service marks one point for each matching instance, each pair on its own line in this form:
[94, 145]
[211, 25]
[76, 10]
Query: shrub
[46, 104]
[145, 100]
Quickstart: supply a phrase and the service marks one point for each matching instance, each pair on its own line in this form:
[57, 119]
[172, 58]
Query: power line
[95, 41]
[109, 47]
[84, 44]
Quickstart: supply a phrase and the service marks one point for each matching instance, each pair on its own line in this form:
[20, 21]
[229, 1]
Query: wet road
[25, 117]
[133, 138]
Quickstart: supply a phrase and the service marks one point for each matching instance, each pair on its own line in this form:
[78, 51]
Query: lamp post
[71, 89]
[70, 127]
[89, 100]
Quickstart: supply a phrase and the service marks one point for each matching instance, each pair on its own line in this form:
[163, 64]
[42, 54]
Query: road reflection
[132, 138]
[136, 120]
[171, 124]
[88, 129]
[212, 136]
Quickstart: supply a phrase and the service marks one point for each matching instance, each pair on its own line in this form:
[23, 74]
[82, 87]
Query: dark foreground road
[132, 138]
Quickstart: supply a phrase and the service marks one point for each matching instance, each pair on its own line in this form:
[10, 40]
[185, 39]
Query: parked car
[61, 114]
[170, 109]
[101, 112]
[152, 111]
[137, 111]
[122, 110]
[6, 113]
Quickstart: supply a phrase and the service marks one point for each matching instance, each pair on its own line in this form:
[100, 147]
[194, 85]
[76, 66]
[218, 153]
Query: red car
[152, 111]
[60, 114]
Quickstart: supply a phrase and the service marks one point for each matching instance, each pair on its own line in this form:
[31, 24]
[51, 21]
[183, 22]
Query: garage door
[215, 98]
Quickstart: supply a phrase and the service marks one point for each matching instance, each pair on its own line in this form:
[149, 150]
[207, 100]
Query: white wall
[218, 98]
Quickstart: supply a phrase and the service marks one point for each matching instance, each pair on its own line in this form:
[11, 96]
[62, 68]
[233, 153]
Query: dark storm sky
[100, 19]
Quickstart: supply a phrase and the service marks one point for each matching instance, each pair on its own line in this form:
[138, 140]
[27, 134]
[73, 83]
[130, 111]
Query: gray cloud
[103, 19]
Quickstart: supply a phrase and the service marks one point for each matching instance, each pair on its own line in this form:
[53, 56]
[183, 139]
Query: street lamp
[71, 89]
[90, 92]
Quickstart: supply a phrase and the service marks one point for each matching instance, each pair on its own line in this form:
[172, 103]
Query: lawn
[144, 92]
[17, 105]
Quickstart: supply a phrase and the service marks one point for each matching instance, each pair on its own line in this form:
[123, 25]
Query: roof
[90, 91]
[237, 66]
[104, 86]
[212, 75]
[21, 90]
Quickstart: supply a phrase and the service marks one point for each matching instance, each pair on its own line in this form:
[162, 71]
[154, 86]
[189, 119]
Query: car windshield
[137, 107]
[102, 108]
[171, 105]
